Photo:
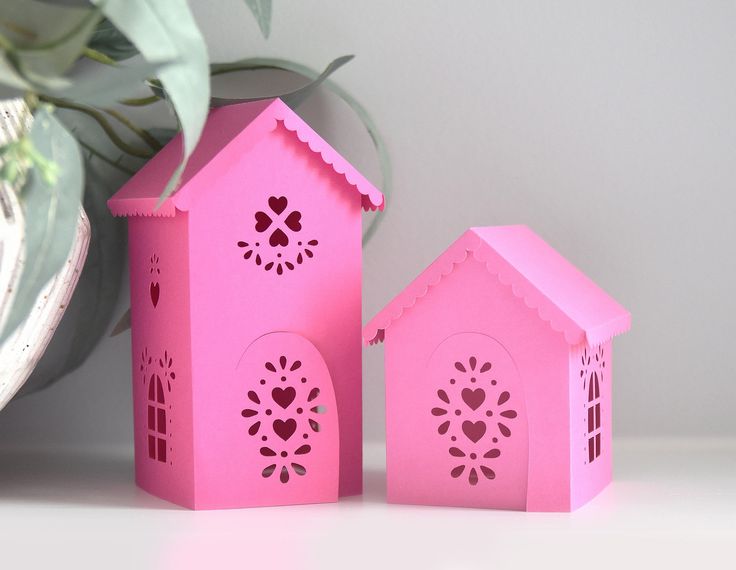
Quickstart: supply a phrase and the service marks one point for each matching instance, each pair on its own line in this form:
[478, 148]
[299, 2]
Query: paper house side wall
[591, 376]
[162, 397]
[435, 355]
[247, 283]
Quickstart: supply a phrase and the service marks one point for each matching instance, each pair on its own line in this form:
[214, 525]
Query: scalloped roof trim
[136, 198]
[372, 198]
[519, 285]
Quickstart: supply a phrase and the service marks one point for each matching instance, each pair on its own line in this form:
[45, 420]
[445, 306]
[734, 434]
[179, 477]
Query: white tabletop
[672, 505]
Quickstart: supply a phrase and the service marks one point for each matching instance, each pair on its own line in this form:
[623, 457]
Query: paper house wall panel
[266, 232]
[483, 396]
[161, 363]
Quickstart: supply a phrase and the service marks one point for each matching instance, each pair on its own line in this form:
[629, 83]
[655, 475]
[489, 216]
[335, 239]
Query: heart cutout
[155, 293]
[285, 429]
[293, 221]
[278, 205]
[263, 221]
[473, 398]
[283, 396]
[474, 430]
[278, 237]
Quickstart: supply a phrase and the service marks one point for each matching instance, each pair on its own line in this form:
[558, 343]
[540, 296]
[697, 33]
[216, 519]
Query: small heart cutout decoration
[473, 430]
[278, 237]
[293, 221]
[263, 221]
[155, 293]
[285, 429]
[283, 396]
[278, 205]
[473, 398]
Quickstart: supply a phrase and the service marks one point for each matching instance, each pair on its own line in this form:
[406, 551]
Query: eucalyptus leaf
[103, 85]
[109, 40]
[261, 10]
[47, 39]
[51, 211]
[95, 296]
[164, 31]
[12, 83]
[291, 98]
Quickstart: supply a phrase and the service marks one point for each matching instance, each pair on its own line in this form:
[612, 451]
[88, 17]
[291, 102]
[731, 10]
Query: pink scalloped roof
[243, 124]
[538, 275]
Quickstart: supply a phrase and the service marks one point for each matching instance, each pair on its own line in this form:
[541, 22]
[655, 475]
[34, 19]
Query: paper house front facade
[498, 378]
[246, 315]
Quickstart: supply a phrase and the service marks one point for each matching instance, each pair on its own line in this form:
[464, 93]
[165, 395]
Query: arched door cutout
[479, 422]
[290, 422]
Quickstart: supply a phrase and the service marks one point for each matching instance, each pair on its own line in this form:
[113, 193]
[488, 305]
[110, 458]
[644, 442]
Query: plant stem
[104, 158]
[146, 136]
[141, 102]
[102, 121]
[98, 56]
[232, 68]
[31, 100]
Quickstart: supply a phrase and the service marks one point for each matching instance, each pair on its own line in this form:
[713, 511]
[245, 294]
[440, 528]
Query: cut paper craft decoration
[498, 378]
[245, 311]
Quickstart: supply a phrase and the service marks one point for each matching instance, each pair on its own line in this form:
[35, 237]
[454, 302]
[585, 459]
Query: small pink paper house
[498, 378]
[246, 315]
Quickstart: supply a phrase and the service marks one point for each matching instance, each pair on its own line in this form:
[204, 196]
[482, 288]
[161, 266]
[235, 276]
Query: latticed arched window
[594, 417]
[156, 419]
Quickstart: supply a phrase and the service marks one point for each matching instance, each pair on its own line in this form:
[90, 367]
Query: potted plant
[97, 59]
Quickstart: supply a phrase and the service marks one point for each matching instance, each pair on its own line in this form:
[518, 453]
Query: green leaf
[46, 38]
[109, 40]
[291, 98]
[12, 83]
[261, 10]
[164, 31]
[51, 207]
[103, 85]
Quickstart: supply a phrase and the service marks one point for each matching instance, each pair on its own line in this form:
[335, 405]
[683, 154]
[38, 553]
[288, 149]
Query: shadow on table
[105, 479]
[68, 477]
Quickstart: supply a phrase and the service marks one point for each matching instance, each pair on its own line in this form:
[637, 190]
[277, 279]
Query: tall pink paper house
[498, 378]
[246, 315]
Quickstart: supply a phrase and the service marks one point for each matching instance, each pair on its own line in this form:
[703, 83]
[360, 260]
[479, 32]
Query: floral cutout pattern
[291, 221]
[592, 368]
[158, 375]
[285, 412]
[283, 225]
[472, 409]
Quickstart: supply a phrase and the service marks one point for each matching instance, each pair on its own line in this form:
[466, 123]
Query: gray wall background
[609, 127]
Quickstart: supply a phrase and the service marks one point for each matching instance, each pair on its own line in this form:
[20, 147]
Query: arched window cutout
[156, 419]
[594, 417]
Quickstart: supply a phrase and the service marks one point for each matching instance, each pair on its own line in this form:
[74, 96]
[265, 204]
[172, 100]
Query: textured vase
[21, 352]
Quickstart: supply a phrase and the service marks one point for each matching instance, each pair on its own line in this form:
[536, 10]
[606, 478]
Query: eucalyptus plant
[99, 58]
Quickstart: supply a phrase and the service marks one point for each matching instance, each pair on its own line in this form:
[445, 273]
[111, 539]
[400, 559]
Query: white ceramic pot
[20, 353]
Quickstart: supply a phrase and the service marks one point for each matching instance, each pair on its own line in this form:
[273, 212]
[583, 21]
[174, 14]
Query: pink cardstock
[245, 310]
[498, 378]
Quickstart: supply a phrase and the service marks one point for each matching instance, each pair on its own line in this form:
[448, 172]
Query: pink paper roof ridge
[245, 123]
[562, 295]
